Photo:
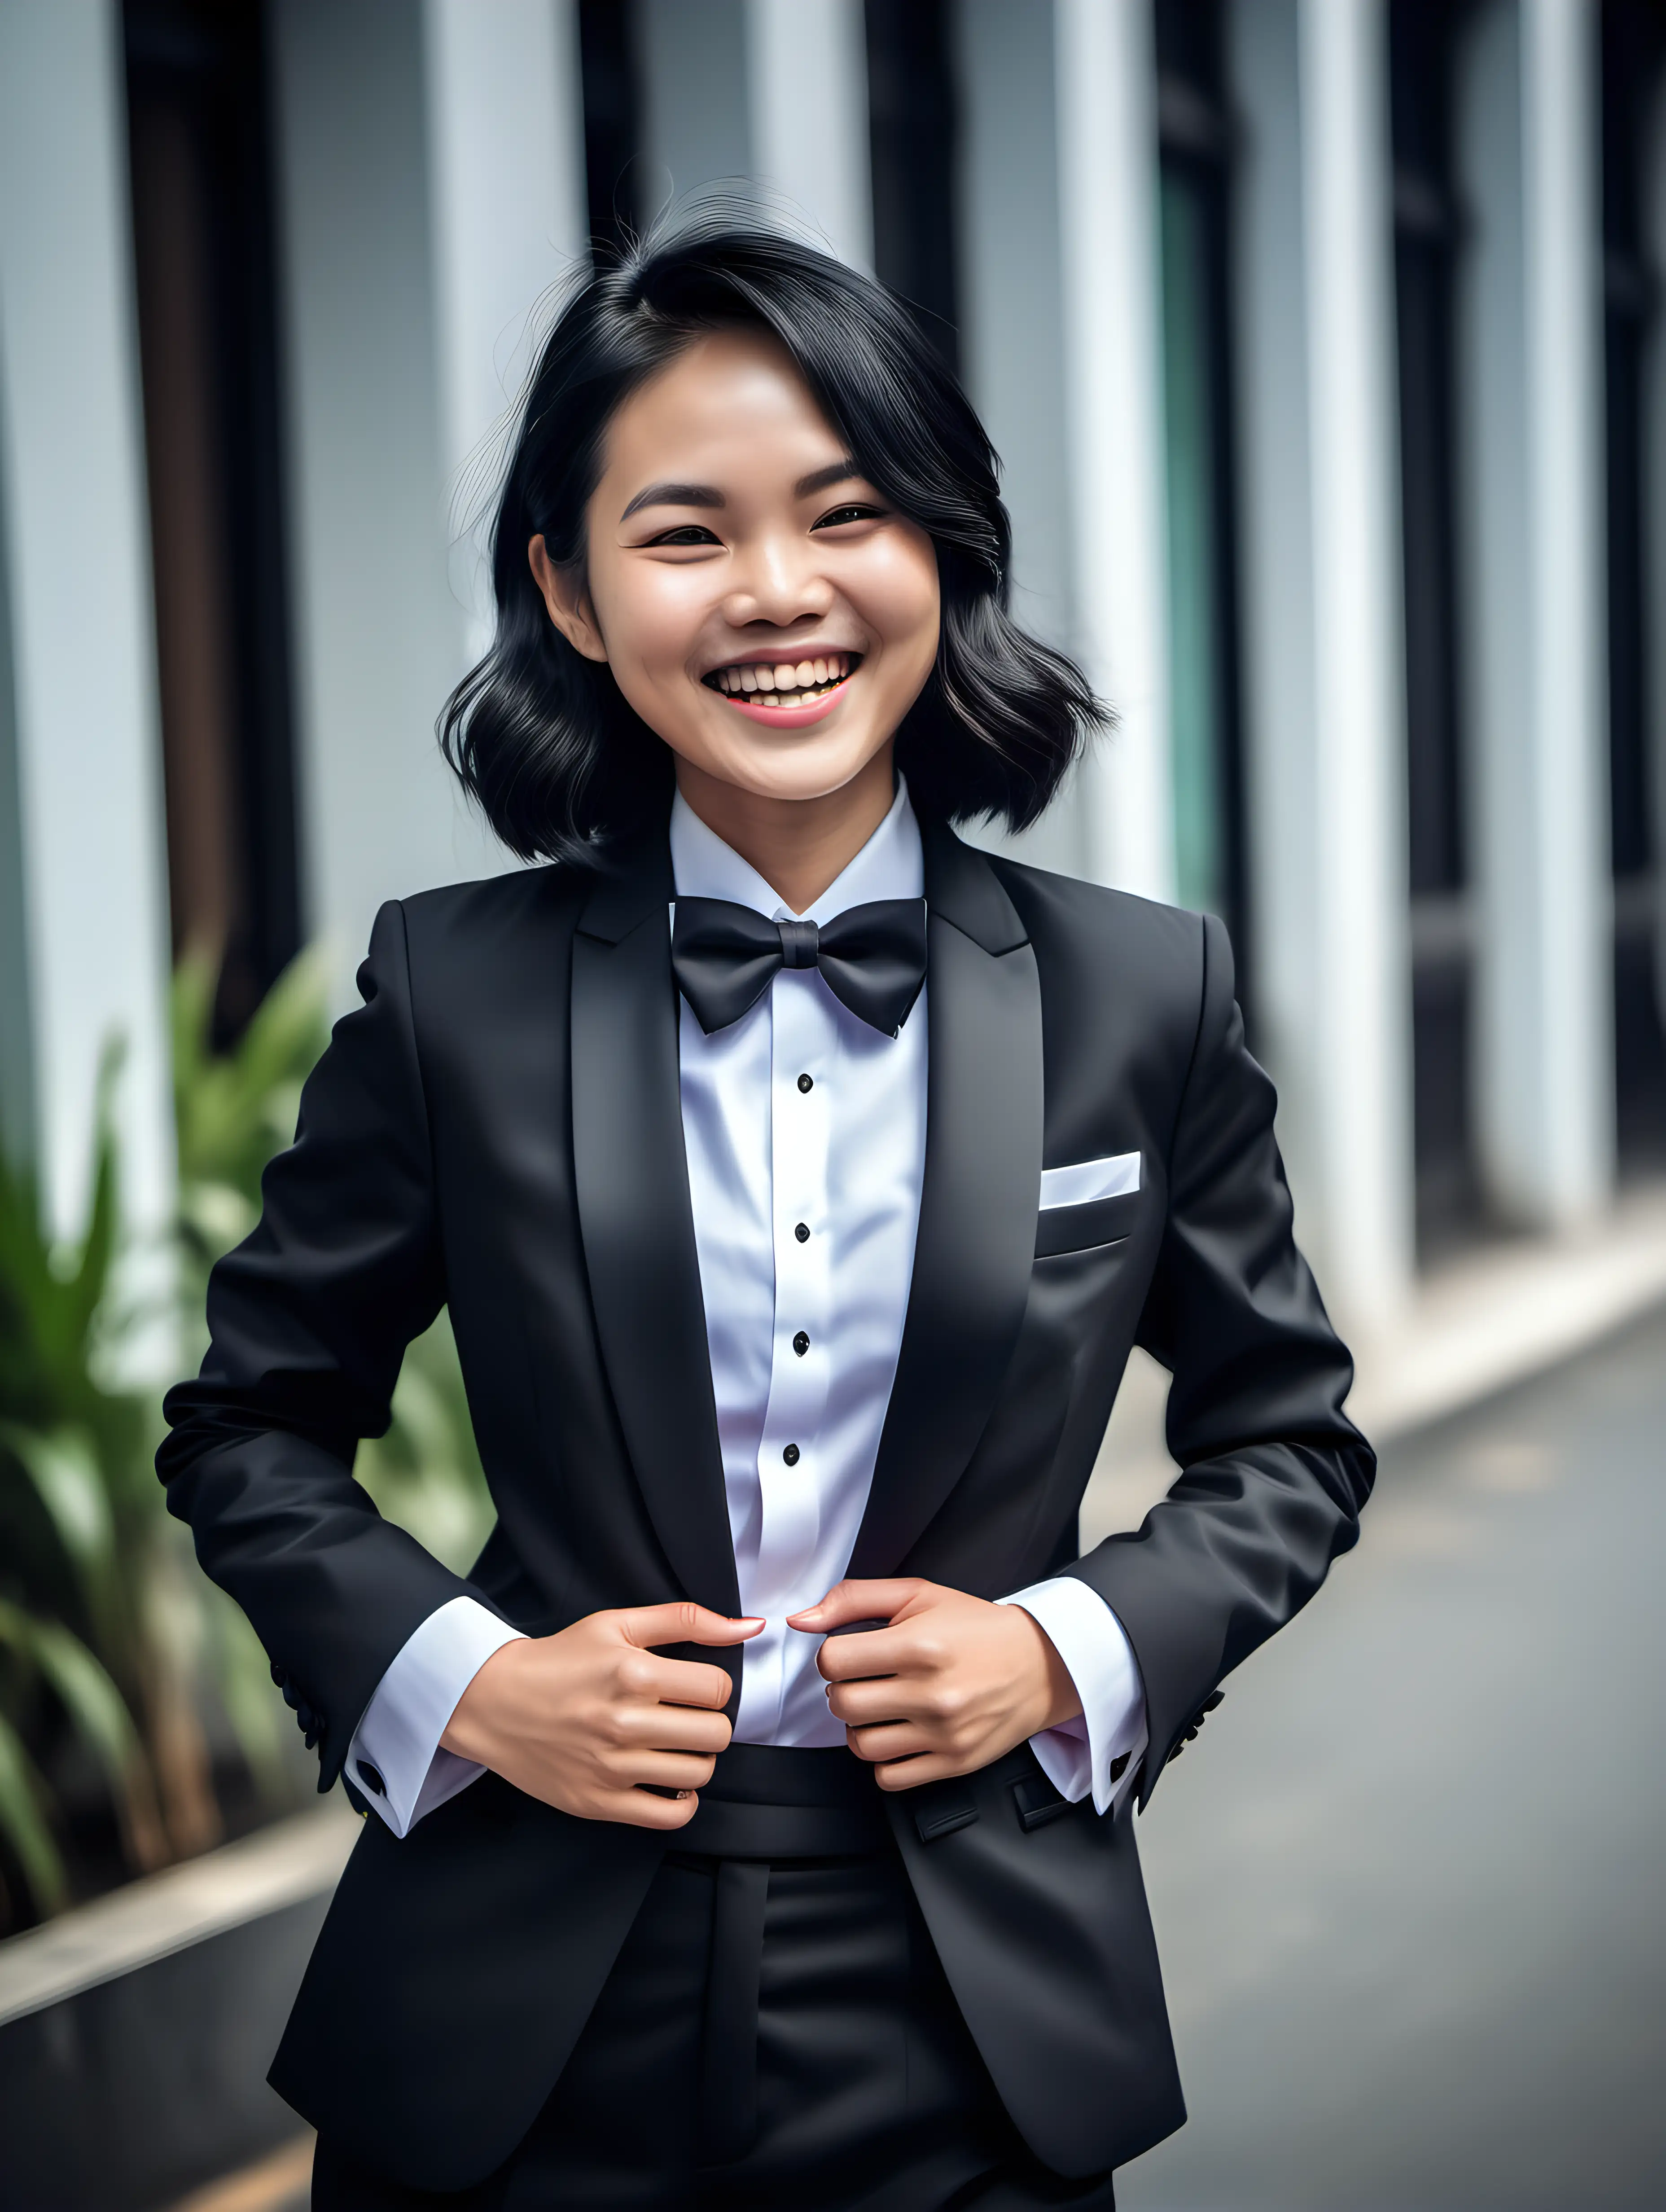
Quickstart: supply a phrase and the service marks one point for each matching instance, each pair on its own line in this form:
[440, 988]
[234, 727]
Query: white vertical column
[87, 804]
[1276, 567]
[1555, 1154]
[379, 637]
[1109, 306]
[807, 87]
[1529, 332]
[696, 127]
[1060, 344]
[1361, 1010]
[1011, 336]
[506, 137]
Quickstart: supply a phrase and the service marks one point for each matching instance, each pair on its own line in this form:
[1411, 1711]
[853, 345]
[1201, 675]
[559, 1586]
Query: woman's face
[762, 607]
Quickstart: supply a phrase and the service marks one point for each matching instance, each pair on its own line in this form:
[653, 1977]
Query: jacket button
[801, 1343]
[791, 1455]
[371, 1780]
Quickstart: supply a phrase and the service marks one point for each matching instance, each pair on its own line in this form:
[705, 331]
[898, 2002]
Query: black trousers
[776, 2035]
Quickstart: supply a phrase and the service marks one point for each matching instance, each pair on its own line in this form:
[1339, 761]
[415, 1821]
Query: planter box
[136, 2032]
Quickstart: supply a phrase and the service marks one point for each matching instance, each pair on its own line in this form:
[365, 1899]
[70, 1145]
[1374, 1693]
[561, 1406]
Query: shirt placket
[802, 1083]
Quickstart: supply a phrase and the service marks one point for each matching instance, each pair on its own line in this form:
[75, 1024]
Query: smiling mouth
[780, 683]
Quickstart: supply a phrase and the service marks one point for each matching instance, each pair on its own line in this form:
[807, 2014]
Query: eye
[686, 533]
[855, 513]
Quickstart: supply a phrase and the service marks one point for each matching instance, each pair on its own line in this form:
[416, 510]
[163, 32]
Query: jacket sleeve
[1274, 1475]
[308, 1322]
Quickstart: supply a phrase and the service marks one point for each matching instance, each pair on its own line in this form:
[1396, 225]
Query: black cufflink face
[370, 1779]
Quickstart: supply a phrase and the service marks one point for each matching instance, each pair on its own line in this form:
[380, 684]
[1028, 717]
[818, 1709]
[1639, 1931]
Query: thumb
[846, 1601]
[684, 1622]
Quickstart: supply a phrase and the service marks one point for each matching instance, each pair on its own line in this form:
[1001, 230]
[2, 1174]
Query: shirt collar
[890, 866]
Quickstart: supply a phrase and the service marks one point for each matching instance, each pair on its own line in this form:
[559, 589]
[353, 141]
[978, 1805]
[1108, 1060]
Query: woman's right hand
[583, 1718]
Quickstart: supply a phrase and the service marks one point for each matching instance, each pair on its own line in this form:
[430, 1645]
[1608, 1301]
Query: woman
[798, 1178]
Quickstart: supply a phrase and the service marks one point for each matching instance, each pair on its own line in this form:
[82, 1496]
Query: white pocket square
[1090, 1179]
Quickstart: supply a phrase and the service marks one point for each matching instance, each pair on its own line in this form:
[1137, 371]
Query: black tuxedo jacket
[498, 1129]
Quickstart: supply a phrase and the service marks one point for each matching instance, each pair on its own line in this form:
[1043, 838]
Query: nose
[776, 580]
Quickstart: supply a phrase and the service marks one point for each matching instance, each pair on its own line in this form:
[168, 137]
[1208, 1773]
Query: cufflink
[1119, 1766]
[371, 1780]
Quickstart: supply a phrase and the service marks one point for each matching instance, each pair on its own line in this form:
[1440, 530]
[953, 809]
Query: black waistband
[771, 1801]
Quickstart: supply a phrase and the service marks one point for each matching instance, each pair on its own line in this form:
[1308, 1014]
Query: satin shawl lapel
[978, 1205]
[631, 1176]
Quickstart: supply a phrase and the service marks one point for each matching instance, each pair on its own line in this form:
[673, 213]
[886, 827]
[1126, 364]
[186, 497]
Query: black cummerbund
[772, 1802]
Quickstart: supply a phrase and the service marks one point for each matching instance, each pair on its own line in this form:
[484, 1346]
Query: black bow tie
[872, 957]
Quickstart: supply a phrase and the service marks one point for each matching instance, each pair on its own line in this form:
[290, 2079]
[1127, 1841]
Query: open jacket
[497, 1129]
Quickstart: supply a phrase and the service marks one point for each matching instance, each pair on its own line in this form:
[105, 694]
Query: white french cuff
[396, 1741]
[1112, 1732]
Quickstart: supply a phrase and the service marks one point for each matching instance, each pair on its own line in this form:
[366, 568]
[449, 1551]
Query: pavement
[1409, 1881]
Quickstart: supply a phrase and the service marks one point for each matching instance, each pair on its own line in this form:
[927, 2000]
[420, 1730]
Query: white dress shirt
[806, 1135]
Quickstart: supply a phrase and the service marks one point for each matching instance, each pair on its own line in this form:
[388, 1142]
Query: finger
[641, 1808]
[851, 1601]
[665, 1770]
[674, 1727]
[884, 1741]
[914, 1773]
[684, 1622]
[863, 1654]
[863, 1704]
[686, 1682]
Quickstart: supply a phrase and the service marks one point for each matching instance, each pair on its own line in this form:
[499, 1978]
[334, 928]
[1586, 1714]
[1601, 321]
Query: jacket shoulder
[1082, 925]
[487, 919]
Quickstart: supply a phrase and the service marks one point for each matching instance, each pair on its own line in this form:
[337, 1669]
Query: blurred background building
[1320, 342]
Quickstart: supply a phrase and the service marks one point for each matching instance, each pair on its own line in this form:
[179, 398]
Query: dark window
[613, 117]
[1427, 237]
[1193, 188]
[1634, 43]
[912, 132]
[197, 87]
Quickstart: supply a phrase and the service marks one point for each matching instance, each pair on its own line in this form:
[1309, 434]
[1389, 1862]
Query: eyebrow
[840, 471]
[674, 494]
[698, 495]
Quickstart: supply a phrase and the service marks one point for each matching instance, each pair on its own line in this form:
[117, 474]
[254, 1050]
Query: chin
[784, 770]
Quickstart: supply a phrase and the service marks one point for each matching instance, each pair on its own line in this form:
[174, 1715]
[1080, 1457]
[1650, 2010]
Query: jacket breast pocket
[1080, 1228]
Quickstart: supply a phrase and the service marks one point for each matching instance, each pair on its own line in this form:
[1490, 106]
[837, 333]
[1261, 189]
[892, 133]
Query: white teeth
[780, 685]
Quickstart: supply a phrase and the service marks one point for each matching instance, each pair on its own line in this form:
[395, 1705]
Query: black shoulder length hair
[543, 738]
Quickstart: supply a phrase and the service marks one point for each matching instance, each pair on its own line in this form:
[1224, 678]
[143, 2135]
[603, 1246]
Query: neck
[798, 846]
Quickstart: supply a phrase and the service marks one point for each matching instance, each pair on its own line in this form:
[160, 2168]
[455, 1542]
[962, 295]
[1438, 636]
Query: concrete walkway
[1410, 1883]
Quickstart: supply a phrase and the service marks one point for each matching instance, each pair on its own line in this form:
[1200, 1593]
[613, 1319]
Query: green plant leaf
[22, 1794]
[93, 1702]
[90, 1276]
[63, 1470]
[258, 1716]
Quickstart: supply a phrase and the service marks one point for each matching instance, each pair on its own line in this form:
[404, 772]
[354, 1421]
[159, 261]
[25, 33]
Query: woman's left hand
[945, 1687]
